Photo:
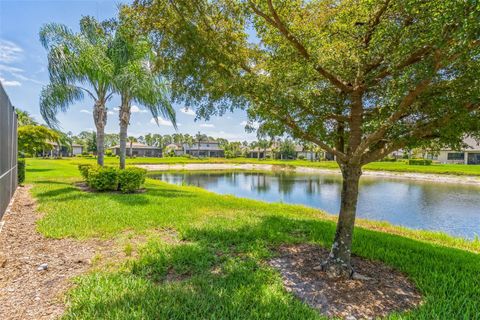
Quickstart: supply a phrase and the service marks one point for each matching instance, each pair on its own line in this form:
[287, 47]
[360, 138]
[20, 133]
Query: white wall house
[470, 155]
[77, 149]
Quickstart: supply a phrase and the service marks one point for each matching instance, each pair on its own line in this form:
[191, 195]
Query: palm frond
[56, 97]
[52, 34]
[153, 93]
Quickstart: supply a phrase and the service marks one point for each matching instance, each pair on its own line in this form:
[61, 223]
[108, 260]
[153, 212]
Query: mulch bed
[25, 291]
[386, 290]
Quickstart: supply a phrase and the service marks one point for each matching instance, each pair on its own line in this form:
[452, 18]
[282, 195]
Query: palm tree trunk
[100, 119]
[124, 117]
[338, 263]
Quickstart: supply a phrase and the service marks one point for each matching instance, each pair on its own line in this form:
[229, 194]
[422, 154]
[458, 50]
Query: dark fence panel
[8, 151]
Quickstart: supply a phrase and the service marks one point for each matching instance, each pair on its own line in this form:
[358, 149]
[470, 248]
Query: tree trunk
[338, 263]
[124, 117]
[100, 119]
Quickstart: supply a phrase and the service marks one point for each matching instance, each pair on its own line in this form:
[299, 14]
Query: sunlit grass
[216, 270]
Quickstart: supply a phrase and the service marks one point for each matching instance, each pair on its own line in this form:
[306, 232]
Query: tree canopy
[33, 139]
[359, 78]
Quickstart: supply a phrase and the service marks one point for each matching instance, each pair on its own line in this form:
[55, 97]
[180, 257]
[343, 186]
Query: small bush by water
[420, 162]
[131, 179]
[112, 179]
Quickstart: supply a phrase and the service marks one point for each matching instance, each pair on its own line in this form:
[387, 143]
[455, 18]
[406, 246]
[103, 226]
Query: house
[62, 150]
[138, 150]
[301, 153]
[76, 149]
[259, 153]
[469, 155]
[204, 149]
[176, 149]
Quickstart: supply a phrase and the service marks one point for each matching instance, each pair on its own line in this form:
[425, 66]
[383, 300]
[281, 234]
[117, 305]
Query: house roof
[472, 145]
[173, 146]
[136, 145]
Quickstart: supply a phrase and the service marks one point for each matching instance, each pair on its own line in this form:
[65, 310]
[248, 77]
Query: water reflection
[450, 208]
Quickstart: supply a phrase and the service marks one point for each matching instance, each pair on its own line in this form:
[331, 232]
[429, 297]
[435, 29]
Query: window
[456, 156]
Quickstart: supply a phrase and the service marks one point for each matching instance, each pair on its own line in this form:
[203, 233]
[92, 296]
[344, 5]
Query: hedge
[83, 168]
[102, 178]
[111, 179]
[420, 162]
[21, 170]
[131, 179]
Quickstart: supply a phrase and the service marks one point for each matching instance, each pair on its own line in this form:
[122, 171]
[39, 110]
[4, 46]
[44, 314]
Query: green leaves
[77, 63]
[358, 78]
[34, 138]
[57, 97]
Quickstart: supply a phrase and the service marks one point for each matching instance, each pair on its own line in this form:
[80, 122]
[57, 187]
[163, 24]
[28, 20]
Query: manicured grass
[400, 166]
[219, 265]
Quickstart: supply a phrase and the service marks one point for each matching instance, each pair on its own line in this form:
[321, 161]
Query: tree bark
[338, 263]
[100, 119]
[124, 120]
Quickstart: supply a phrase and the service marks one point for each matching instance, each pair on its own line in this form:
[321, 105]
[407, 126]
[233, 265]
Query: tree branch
[290, 122]
[375, 23]
[280, 26]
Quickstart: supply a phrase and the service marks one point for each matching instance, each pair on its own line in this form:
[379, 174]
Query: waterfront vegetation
[398, 166]
[216, 250]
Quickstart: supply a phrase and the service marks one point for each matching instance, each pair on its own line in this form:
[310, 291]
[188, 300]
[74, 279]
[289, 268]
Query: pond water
[451, 208]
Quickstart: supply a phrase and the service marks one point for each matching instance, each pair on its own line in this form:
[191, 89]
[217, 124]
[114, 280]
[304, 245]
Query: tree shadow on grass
[37, 169]
[227, 277]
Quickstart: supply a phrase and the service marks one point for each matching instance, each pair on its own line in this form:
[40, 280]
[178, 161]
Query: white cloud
[7, 68]
[9, 51]
[110, 112]
[116, 109]
[10, 83]
[17, 73]
[189, 112]
[86, 111]
[162, 122]
[135, 109]
[207, 125]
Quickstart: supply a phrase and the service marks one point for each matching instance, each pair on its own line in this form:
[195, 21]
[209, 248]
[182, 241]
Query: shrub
[131, 179]
[83, 168]
[387, 159]
[21, 170]
[109, 153]
[301, 157]
[420, 162]
[102, 178]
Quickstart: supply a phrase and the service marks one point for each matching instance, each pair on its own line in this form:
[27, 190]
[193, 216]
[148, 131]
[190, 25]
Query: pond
[446, 207]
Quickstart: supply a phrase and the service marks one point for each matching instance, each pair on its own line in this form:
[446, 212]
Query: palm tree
[131, 140]
[78, 64]
[136, 81]
[262, 143]
[24, 118]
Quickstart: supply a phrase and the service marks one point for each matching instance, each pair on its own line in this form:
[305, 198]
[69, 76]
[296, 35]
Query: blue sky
[23, 71]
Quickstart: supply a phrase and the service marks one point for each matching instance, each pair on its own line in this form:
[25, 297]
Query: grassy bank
[400, 166]
[218, 261]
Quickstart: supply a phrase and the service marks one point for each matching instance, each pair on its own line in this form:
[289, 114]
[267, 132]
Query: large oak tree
[359, 78]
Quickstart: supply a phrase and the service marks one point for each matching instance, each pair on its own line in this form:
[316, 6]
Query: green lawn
[400, 166]
[220, 262]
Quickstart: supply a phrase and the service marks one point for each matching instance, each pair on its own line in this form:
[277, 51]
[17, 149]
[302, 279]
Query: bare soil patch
[386, 290]
[25, 291]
